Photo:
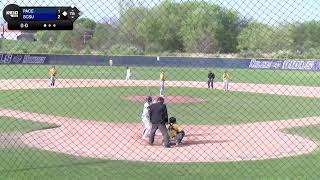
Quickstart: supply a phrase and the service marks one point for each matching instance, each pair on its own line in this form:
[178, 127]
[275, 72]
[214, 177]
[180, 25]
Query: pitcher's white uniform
[146, 120]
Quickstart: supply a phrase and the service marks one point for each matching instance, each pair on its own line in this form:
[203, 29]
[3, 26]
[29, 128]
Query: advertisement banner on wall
[268, 64]
[23, 59]
[298, 65]
[310, 65]
[285, 64]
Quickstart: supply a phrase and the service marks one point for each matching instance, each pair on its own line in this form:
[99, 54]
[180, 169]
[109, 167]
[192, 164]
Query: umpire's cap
[160, 99]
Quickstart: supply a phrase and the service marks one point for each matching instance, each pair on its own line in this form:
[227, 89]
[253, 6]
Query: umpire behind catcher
[158, 118]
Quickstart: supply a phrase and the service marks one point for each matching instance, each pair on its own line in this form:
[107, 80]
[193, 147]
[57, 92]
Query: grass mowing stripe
[306, 78]
[8, 125]
[34, 164]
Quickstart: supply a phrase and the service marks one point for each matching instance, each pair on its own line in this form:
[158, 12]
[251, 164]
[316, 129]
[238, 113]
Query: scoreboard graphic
[40, 18]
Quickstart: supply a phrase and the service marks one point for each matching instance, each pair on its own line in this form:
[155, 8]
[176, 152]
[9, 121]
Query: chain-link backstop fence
[239, 79]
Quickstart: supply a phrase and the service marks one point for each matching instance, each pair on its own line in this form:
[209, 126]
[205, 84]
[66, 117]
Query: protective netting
[241, 79]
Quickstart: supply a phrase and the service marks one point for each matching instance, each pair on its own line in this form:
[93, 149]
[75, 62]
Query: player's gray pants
[161, 88]
[52, 80]
[225, 85]
[163, 131]
[179, 137]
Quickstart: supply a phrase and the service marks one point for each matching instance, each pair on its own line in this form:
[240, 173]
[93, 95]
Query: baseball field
[89, 126]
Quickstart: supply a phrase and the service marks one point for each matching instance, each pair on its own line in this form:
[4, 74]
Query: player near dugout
[52, 73]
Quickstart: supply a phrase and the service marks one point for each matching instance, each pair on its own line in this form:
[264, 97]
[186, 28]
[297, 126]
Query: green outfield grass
[8, 125]
[107, 104]
[191, 74]
[47, 165]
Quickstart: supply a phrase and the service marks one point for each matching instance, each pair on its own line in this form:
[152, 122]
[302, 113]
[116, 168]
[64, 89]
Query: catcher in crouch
[174, 131]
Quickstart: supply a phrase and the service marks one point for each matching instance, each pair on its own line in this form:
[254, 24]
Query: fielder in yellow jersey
[225, 78]
[52, 74]
[162, 76]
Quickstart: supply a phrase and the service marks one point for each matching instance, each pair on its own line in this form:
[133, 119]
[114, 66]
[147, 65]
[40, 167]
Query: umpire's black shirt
[211, 76]
[158, 113]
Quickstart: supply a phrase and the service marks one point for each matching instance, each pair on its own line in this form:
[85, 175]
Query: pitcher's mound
[168, 99]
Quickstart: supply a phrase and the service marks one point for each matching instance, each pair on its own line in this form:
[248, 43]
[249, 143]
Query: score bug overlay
[40, 18]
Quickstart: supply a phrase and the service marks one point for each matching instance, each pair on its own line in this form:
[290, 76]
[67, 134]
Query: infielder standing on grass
[225, 78]
[211, 77]
[128, 76]
[162, 79]
[52, 73]
[146, 118]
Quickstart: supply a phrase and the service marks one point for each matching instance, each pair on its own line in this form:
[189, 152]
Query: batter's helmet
[149, 99]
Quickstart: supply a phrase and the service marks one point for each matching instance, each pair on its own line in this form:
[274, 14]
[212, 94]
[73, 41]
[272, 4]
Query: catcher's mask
[172, 120]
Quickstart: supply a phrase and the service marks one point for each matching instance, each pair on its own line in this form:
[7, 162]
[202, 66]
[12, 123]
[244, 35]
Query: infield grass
[9, 125]
[109, 105]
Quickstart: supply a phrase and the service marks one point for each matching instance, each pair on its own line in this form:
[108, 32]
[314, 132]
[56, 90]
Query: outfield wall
[311, 65]
[122, 60]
